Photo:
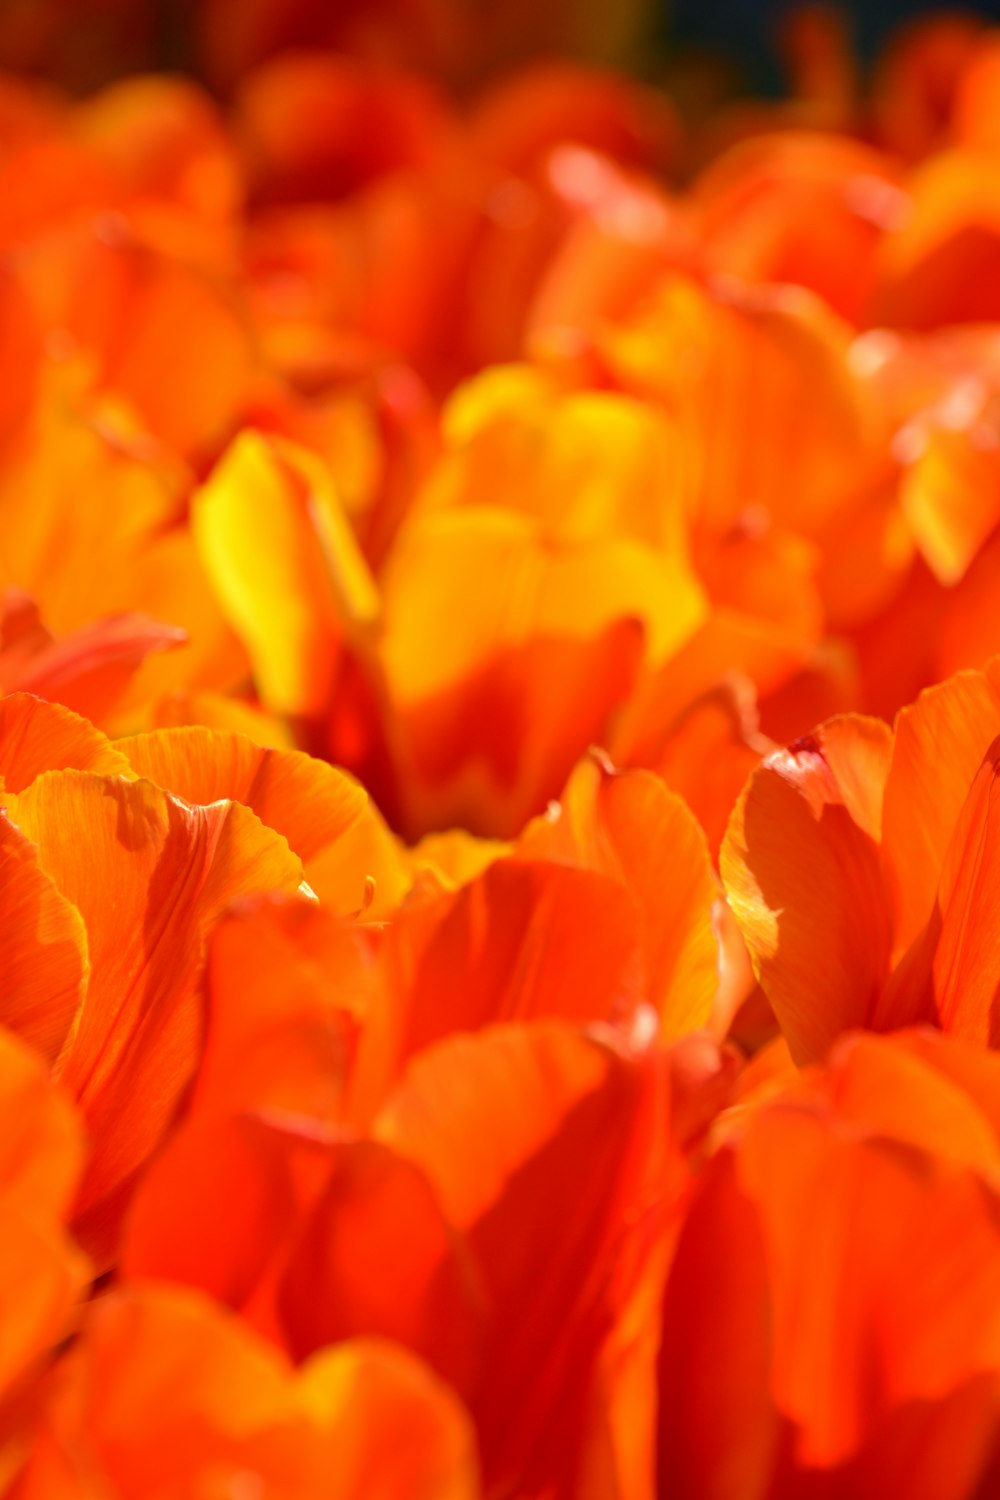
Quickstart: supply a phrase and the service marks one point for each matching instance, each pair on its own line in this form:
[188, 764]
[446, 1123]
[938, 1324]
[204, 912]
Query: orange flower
[166, 1395]
[125, 882]
[396, 1102]
[523, 1146]
[854, 866]
[829, 1321]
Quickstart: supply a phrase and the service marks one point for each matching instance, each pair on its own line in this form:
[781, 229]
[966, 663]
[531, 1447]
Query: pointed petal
[801, 870]
[628, 826]
[525, 939]
[285, 570]
[940, 742]
[89, 669]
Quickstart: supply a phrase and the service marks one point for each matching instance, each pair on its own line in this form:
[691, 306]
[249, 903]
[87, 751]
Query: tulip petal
[490, 750]
[525, 939]
[801, 869]
[40, 1161]
[284, 567]
[966, 963]
[310, 802]
[149, 875]
[396, 1432]
[627, 825]
[41, 1154]
[911, 1301]
[949, 498]
[939, 744]
[36, 736]
[288, 986]
[268, 1178]
[43, 948]
[736, 396]
[546, 1149]
[345, 1276]
[175, 1386]
[705, 751]
[43, 1277]
[718, 1430]
[908, 1088]
[89, 669]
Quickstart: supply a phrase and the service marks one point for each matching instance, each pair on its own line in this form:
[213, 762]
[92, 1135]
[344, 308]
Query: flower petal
[288, 987]
[149, 875]
[395, 1430]
[43, 948]
[284, 567]
[629, 826]
[966, 962]
[36, 736]
[801, 869]
[311, 803]
[525, 939]
[939, 744]
[346, 1276]
[548, 1151]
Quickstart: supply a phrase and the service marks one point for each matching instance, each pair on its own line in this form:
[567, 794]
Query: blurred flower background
[499, 750]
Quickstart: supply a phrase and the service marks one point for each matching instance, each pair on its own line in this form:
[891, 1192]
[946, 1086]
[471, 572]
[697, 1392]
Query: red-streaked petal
[800, 864]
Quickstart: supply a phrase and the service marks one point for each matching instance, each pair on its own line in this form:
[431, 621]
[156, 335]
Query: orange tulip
[327, 819]
[288, 989]
[853, 845]
[166, 1396]
[124, 882]
[828, 1324]
[311, 1251]
[628, 827]
[448, 1048]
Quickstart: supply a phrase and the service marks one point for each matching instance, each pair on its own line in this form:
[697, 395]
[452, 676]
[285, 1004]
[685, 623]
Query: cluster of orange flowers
[450, 1050]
